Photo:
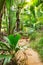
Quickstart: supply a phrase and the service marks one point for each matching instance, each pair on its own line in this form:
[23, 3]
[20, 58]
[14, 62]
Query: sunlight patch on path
[27, 56]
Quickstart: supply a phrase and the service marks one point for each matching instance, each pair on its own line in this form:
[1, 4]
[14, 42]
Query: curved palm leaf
[4, 47]
[13, 40]
[6, 58]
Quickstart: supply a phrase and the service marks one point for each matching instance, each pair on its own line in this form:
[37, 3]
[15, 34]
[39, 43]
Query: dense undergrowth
[37, 45]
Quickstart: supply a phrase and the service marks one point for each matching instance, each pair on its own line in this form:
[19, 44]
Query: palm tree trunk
[17, 20]
[0, 21]
[1, 7]
[9, 26]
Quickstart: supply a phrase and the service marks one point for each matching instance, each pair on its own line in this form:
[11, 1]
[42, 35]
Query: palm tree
[10, 46]
[20, 5]
[1, 7]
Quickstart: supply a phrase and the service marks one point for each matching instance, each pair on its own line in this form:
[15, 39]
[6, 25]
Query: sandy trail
[28, 56]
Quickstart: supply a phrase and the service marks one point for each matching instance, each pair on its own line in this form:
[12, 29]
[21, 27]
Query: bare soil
[27, 56]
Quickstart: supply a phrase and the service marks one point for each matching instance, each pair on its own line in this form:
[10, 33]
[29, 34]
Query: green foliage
[8, 4]
[40, 44]
[13, 40]
[39, 26]
[6, 58]
[37, 2]
[28, 14]
[39, 47]
[33, 36]
[10, 47]
[4, 47]
[32, 10]
[31, 16]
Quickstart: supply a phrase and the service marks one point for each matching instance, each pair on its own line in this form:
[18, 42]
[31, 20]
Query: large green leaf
[14, 40]
[8, 4]
[7, 40]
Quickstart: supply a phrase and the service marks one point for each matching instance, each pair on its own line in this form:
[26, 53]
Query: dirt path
[28, 56]
[32, 57]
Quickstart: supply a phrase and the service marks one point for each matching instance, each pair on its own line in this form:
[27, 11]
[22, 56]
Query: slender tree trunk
[1, 7]
[9, 23]
[0, 21]
[9, 26]
[17, 20]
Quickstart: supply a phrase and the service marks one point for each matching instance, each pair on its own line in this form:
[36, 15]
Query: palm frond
[7, 40]
[6, 58]
[14, 40]
[4, 46]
